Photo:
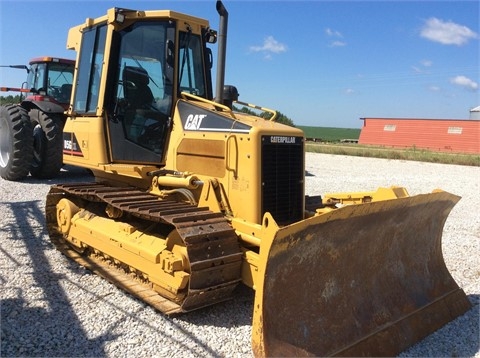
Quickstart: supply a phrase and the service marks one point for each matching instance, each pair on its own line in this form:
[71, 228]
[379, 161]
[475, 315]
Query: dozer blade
[362, 280]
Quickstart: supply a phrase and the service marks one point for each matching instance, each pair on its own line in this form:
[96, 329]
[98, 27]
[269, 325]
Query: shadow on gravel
[473, 317]
[469, 321]
[220, 314]
[67, 175]
[53, 330]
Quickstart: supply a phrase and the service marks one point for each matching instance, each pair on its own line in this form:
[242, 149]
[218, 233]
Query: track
[212, 245]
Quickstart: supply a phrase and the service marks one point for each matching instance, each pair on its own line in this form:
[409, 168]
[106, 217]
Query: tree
[9, 99]
[281, 118]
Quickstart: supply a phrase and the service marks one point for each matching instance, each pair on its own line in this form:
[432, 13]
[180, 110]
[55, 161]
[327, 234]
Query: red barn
[447, 135]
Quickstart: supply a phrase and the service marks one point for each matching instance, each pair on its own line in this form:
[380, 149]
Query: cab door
[139, 116]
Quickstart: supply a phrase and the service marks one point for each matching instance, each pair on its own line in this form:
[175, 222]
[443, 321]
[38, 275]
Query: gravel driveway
[52, 307]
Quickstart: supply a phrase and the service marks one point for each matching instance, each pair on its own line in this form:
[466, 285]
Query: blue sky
[321, 63]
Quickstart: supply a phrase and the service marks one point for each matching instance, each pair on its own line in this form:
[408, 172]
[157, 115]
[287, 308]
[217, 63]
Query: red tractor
[31, 131]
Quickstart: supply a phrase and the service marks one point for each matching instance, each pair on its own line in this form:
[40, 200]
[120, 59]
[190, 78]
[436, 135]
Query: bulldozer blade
[361, 280]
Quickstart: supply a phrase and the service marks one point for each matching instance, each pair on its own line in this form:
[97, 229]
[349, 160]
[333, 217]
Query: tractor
[31, 131]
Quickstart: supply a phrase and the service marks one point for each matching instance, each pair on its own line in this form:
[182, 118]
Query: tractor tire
[47, 144]
[16, 142]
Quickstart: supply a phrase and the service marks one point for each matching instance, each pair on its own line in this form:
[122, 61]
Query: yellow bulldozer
[193, 197]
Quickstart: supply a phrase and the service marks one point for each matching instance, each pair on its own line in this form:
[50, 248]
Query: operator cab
[151, 60]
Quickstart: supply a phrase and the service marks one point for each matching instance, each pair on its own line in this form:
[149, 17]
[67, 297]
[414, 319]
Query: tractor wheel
[47, 144]
[16, 142]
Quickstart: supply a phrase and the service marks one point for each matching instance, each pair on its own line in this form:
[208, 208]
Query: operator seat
[135, 86]
[65, 93]
[143, 123]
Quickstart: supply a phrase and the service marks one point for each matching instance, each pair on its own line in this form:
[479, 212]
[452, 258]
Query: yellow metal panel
[74, 38]
[202, 156]
[90, 136]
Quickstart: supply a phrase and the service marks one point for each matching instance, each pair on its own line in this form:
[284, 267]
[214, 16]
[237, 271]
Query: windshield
[141, 80]
[60, 78]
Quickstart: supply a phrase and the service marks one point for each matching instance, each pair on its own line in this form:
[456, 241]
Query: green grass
[327, 134]
[331, 138]
[394, 153]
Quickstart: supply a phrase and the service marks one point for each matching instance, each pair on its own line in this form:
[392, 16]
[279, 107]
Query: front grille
[282, 178]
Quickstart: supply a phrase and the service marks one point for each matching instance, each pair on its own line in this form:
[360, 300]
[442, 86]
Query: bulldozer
[193, 197]
[31, 132]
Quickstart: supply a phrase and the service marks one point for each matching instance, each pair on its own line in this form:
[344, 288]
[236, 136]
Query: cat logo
[194, 121]
[282, 140]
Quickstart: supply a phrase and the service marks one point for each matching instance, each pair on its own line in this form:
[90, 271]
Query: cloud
[446, 32]
[337, 44]
[464, 82]
[334, 33]
[425, 64]
[270, 45]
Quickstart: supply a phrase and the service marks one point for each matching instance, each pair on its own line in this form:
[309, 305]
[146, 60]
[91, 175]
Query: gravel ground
[52, 307]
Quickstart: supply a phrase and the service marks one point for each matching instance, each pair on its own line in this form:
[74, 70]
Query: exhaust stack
[222, 51]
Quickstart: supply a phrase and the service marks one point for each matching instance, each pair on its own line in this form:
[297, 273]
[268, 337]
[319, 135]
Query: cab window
[36, 77]
[90, 70]
[191, 73]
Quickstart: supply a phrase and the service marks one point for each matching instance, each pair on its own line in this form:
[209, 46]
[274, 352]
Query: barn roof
[417, 119]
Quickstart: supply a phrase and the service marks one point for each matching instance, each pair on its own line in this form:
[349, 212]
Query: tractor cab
[50, 79]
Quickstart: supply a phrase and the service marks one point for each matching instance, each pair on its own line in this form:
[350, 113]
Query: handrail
[271, 111]
[187, 95]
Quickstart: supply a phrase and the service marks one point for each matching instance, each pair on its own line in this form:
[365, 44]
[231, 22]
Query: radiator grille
[282, 178]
